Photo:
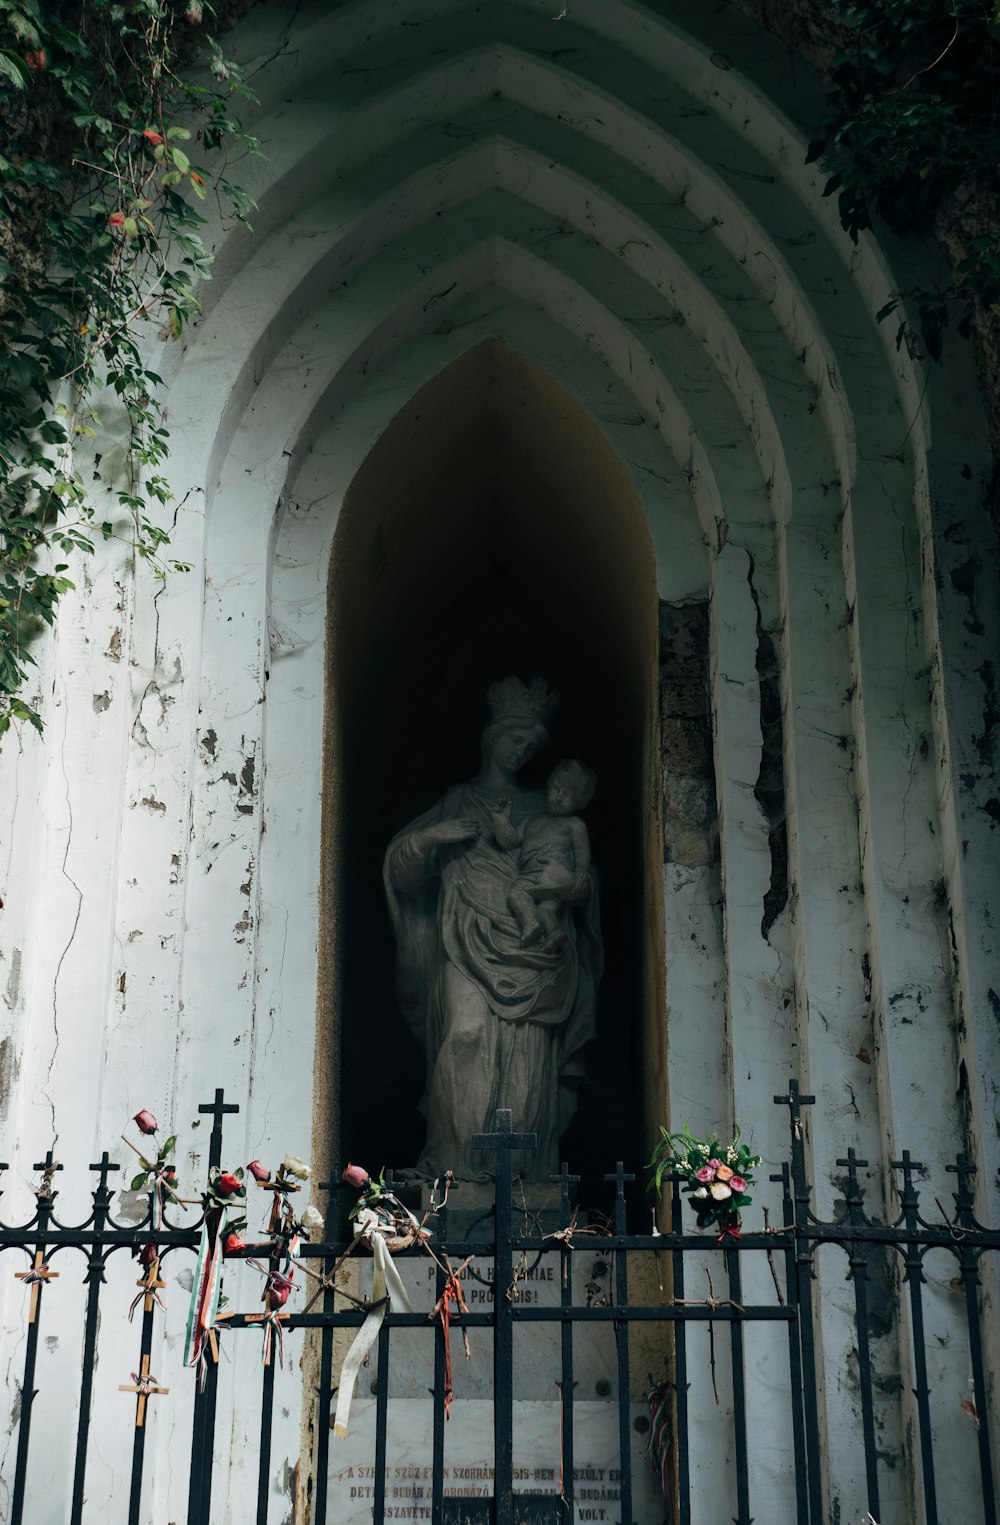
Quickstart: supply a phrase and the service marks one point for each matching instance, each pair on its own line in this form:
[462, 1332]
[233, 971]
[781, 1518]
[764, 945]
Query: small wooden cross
[145, 1386]
[212, 1337]
[38, 1274]
[151, 1283]
[48, 1167]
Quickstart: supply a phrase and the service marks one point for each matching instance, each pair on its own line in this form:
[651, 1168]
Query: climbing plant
[913, 133]
[111, 140]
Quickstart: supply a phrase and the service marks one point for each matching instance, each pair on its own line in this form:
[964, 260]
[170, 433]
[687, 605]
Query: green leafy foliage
[914, 126]
[100, 246]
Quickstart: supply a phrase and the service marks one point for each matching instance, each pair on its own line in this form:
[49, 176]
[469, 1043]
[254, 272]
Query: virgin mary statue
[503, 1019]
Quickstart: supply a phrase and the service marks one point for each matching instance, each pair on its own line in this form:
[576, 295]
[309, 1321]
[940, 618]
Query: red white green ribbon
[205, 1295]
[271, 1324]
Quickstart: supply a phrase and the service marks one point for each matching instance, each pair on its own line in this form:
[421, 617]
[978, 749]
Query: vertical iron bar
[566, 1383]
[794, 1357]
[503, 1141]
[968, 1260]
[437, 1448]
[859, 1274]
[914, 1277]
[736, 1342]
[28, 1396]
[45, 1197]
[95, 1280]
[970, 1276]
[203, 1422]
[325, 1384]
[139, 1438]
[801, 1195]
[503, 1330]
[266, 1426]
[621, 1344]
[680, 1362]
[381, 1419]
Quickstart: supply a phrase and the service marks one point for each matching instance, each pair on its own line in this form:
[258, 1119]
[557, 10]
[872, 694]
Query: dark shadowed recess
[491, 530]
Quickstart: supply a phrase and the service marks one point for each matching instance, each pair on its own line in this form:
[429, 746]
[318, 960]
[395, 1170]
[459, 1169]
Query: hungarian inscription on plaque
[468, 1470]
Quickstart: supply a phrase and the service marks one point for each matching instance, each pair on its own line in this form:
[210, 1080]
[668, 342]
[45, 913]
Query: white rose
[295, 1167]
[720, 1191]
[312, 1219]
[701, 1192]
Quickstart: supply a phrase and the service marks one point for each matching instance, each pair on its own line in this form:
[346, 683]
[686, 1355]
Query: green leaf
[167, 1147]
[139, 1181]
[14, 69]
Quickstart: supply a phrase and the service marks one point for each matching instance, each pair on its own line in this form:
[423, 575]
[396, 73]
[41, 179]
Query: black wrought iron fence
[508, 1243]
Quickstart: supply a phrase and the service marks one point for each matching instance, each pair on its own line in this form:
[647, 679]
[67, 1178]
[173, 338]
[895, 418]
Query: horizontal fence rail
[514, 1245]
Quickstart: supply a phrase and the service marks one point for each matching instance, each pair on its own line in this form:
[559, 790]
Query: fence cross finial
[965, 1199]
[218, 1108]
[106, 1168]
[565, 1181]
[909, 1197]
[621, 1180]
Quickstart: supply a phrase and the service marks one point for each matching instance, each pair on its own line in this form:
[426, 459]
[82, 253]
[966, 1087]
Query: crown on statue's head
[511, 699]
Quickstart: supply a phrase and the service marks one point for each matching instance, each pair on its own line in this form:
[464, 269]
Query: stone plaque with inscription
[536, 1422]
[468, 1464]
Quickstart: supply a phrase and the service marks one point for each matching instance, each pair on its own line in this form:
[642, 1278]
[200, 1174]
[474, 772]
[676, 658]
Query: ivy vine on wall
[913, 135]
[110, 141]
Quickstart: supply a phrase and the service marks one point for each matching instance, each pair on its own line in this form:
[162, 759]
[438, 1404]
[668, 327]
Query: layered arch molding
[546, 339]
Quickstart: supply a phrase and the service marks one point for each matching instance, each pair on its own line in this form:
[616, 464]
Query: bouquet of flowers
[715, 1176]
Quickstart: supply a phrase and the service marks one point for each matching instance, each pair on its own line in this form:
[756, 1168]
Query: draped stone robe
[501, 1024]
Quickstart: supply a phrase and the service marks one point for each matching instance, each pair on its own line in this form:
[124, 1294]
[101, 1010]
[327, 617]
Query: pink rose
[258, 1171]
[738, 1183]
[356, 1175]
[144, 1121]
[705, 1174]
[714, 1164]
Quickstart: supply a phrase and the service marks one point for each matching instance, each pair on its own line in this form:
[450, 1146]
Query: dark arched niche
[492, 529]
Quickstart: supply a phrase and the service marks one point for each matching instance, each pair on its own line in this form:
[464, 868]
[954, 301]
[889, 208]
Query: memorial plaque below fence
[468, 1466]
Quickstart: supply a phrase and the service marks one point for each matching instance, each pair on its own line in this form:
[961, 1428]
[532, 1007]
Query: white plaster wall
[609, 198]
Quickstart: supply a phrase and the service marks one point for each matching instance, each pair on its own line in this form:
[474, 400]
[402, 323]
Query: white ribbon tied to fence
[387, 1287]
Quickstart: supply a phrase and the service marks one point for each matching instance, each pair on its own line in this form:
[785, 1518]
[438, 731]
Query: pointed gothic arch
[491, 529]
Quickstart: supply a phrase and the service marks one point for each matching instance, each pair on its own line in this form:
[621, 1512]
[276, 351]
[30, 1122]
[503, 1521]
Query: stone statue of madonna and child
[498, 946]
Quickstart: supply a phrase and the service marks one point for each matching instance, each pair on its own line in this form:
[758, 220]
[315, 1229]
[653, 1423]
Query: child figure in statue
[554, 853]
